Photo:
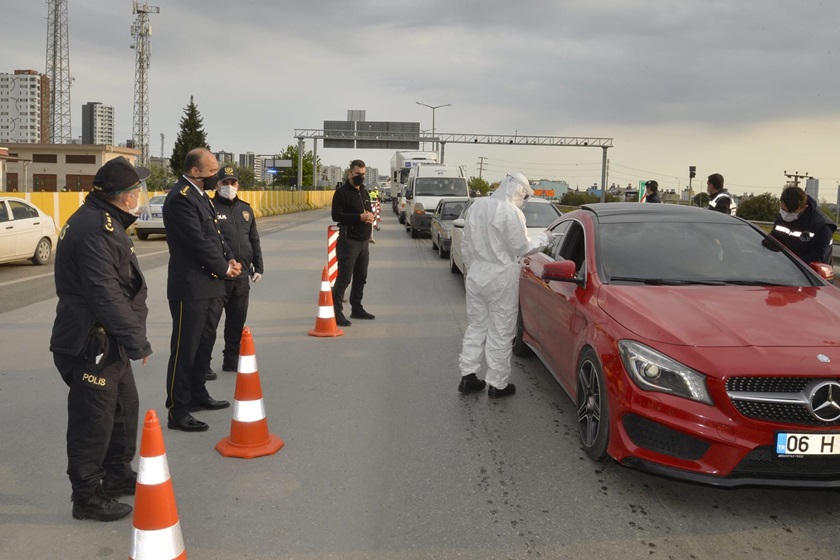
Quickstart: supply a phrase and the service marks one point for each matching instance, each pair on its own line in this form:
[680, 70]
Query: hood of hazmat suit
[495, 236]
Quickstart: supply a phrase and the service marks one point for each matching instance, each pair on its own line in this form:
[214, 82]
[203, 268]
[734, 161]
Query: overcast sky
[746, 88]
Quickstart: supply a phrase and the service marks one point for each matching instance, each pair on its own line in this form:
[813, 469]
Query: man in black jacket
[199, 261]
[100, 326]
[239, 228]
[352, 210]
[802, 228]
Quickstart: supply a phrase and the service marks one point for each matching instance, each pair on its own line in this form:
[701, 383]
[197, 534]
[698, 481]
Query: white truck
[401, 164]
[427, 185]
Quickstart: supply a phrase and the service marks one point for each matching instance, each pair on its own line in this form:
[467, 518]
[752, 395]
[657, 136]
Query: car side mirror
[561, 271]
[825, 271]
[459, 223]
[408, 196]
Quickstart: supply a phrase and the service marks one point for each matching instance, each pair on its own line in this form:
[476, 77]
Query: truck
[401, 164]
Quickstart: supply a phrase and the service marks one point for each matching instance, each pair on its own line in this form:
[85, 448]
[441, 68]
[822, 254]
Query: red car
[695, 345]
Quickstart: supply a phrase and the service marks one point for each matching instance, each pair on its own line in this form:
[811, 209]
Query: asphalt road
[383, 459]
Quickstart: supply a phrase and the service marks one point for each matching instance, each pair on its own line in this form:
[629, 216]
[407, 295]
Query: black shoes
[100, 507]
[208, 404]
[494, 393]
[470, 384]
[124, 487]
[362, 314]
[187, 424]
[210, 375]
[230, 366]
[342, 321]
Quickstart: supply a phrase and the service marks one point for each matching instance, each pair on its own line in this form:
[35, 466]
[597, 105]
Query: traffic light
[692, 171]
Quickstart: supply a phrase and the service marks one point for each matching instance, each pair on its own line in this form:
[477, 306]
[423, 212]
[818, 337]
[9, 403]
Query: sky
[745, 88]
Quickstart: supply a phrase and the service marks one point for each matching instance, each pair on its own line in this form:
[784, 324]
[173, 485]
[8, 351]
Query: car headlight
[653, 371]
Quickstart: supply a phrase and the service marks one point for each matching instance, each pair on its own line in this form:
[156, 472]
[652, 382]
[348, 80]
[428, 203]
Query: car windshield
[440, 186]
[539, 215]
[451, 210]
[690, 252]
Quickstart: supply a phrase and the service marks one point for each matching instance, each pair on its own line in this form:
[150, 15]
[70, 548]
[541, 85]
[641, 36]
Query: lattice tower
[141, 31]
[58, 71]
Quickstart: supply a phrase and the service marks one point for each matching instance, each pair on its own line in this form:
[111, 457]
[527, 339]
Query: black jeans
[353, 258]
[235, 306]
[102, 414]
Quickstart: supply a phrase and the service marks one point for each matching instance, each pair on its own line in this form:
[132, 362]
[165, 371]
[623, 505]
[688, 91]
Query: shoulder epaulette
[185, 190]
[109, 226]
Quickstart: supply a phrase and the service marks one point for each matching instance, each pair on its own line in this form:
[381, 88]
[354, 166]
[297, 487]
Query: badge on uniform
[246, 215]
[185, 190]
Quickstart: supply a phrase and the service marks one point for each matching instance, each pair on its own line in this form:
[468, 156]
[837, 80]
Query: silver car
[150, 220]
[447, 211]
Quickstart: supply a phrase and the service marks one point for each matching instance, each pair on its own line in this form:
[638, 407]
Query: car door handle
[10, 227]
[36, 223]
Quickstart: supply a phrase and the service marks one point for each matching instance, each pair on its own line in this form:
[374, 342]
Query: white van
[427, 185]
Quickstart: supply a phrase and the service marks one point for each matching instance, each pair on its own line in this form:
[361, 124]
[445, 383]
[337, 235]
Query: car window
[539, 214]
[21, 211]
[559, 231]
[573, 247]
[4, 213]
[440, 186]
[451, 210]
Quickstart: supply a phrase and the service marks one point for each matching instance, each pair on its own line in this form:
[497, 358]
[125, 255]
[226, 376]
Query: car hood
[727, 316]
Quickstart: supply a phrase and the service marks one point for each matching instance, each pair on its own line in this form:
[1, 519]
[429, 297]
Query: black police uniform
[352, 253]
[239, 228]
[810, 236]
[721, 201]
[198, 262]
[100, 326]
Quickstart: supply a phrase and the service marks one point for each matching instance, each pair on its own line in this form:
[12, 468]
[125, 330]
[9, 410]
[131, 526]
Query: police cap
[228, 172]
[118, 175]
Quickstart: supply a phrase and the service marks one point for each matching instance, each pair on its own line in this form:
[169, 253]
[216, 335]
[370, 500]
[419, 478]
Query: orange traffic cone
[157, 530]
[325, 322]
[249, 435]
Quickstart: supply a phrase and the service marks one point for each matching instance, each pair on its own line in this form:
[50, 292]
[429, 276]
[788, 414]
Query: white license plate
[157, 215]
[807, 444]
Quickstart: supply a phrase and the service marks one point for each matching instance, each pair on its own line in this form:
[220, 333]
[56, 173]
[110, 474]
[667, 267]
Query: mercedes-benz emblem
[823, 358]
[824, 401]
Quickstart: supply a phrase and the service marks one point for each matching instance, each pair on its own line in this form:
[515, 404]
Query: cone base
[316, 332]
[228, 449]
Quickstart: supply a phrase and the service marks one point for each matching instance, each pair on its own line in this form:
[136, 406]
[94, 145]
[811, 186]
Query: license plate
[807, 444]
[157, 215]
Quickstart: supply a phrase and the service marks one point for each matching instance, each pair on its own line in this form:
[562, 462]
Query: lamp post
[434, 108]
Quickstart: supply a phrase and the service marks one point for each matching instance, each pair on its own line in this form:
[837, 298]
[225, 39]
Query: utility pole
[58, 72]
[796, 177]
[161, 147]
[481, 166]
[141, 31]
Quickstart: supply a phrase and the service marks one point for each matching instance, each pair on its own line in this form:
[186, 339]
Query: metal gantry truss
[141, 31]
[58, 72]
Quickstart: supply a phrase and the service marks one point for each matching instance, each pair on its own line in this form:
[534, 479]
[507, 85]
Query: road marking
[48, 274]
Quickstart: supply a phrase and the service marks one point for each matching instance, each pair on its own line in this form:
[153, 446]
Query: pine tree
[190, 136]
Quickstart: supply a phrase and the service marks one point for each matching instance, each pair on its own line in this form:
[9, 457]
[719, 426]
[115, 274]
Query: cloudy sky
[746, 88]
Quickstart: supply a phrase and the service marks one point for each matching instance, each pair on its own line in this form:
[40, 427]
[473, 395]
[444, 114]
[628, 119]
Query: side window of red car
[573, 246]
[559, 231]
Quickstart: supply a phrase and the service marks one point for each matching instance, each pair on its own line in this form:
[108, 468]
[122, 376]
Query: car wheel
[519, 347]
[453, 268]
[593, 410]
[434, 245]
[413, 232]
[42, 252]
[142, 235]
[441, 253]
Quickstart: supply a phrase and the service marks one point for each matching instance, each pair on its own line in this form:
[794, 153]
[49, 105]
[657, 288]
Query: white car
[25, 232]
[539, 214]
[150, 219]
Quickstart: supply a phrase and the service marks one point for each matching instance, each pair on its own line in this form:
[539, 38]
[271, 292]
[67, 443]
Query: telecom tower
[58, 71]
[141, 31]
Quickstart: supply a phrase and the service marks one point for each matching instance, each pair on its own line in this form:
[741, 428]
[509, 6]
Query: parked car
[26, 232]
[150, 220]
[539, 214]
[694, 345]
[446, 212]
[427, 185]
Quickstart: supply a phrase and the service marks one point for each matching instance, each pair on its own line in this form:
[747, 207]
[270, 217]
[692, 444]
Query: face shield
[145, 208]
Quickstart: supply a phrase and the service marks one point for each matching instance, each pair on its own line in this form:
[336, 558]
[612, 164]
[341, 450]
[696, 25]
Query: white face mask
[788, 216]
[136, 210]
[228, 191]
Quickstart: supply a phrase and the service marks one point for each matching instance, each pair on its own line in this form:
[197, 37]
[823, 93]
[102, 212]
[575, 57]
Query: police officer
[239, 228]
[100, 326]
[199, 260]
[719, 198]
[652, 192]
[802, 228]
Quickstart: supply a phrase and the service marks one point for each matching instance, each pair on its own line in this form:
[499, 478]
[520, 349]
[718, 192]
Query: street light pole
[434, 108]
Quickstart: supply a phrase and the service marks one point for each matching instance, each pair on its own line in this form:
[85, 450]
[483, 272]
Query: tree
[160, 179]
[759, 208]
[246, 178]
[578, 198]
[190, 136]
[701, 199]
[477, 184]
[287, 176]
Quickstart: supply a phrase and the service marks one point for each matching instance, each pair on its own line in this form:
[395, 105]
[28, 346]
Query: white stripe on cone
[326, 312]
[248, 411]
[247, 364]
[325, 286]
[153, 470]
[163, 544]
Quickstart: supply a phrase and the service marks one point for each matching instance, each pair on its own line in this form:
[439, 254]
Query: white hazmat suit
[495, 236]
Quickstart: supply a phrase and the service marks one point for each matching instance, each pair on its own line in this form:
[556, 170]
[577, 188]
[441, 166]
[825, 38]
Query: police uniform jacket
[348, 205]
[239, 228]
[810, 236]
[98, 282]
[198, 255]
[721, 202]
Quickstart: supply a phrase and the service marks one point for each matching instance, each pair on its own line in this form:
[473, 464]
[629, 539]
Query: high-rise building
[247, 160]
[97, 124]
[224, 157]
[812, 188]
[333, 175]
[24, 107]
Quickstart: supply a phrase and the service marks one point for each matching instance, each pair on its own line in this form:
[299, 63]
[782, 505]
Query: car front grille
[763, 461]
[776, 399]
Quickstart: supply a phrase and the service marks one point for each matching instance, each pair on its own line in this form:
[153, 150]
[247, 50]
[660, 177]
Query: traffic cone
[157, 530]
[249, 435]
[325, 322]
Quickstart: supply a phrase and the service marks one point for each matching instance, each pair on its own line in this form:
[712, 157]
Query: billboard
[372, 135]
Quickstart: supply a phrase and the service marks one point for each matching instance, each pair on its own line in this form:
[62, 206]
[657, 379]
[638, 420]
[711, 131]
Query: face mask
[359, 180]
[136, 210]
[788, 216]
[228, 191]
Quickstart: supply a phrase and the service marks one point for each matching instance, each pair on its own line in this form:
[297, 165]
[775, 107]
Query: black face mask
[358, 180]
